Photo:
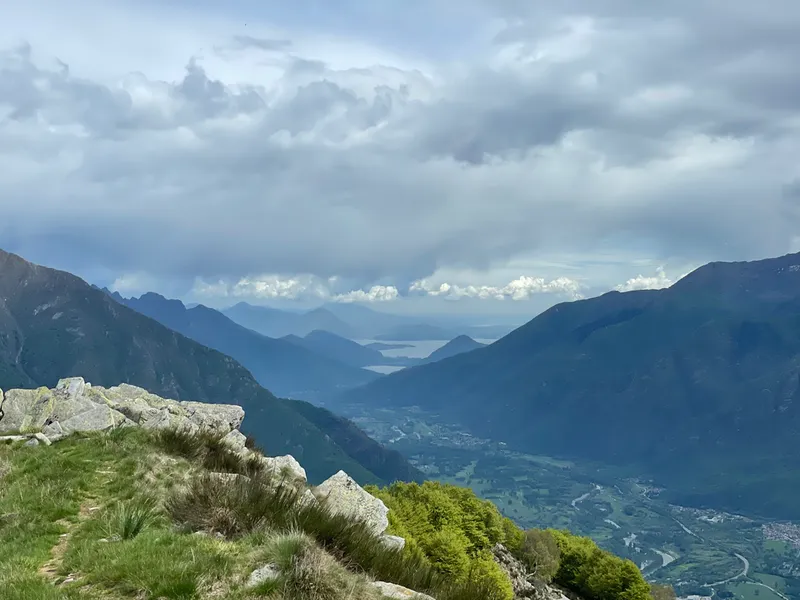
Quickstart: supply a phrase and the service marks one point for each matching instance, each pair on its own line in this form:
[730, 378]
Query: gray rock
[307, 498]
[340, 494]
[285, 467]
[269, 572]
[520, 581]
[99, 418]
[75, 405]
[32, 442]
[26, 410]
[236, 440]
[73, 387]
[393, 542]
[398, 592]
[43, 439]
[53, 431]
[515, 571]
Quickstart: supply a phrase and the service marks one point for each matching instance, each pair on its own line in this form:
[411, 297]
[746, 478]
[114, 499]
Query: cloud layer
[256, 145]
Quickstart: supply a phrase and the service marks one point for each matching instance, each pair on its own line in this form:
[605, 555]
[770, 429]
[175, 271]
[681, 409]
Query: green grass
[748, 591]
[136, 514]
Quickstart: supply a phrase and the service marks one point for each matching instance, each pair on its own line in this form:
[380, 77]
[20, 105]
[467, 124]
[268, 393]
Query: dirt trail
[50, 569]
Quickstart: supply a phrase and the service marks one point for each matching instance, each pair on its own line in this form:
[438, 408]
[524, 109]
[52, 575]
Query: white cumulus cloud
[521, 288]
[645, 282]
[302, 287]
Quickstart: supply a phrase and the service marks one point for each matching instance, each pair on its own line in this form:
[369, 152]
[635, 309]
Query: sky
[489, 156]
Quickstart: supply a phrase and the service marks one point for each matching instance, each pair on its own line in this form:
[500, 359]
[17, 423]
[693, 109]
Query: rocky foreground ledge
[76, 406]
[45, 416]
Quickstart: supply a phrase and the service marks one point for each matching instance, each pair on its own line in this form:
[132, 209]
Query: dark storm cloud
[583, 123]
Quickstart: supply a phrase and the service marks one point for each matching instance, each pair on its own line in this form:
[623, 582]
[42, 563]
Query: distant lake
[384, 369]
[416, 349]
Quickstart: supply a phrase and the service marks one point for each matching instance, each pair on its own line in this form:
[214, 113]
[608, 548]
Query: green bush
[596, 574]
[540, 553]
[241, 507]
[662, 592]
[453, 528]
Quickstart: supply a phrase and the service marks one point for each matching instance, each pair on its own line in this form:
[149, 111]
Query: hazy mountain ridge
[347, 351]
[692, 384]
[54, 325]
[356, 322]
[287, 369]
[458, 345]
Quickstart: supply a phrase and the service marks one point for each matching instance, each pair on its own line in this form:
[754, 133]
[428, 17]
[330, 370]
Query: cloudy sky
[481, 155]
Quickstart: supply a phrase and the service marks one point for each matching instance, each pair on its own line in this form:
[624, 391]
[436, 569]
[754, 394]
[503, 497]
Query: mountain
[347, 351]
[54, 325]
[288, 370]
[366, 321]
[459, 345]
[415, 332]
[277, 323]
[697, 386]
[384, 346]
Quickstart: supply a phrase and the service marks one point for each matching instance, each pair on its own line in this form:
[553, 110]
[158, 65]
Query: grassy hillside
[138, 514]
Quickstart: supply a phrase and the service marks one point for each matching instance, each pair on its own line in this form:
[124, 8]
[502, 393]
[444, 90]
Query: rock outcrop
[340, 494]
[518, 574]
[75, 405]
[398, 592]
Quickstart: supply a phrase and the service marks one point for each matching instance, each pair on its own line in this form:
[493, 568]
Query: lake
[416, 349]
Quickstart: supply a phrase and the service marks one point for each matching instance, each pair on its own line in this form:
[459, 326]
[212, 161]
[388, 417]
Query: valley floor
[697, 551]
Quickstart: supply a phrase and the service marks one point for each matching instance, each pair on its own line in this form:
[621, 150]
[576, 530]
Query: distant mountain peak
[458, 345]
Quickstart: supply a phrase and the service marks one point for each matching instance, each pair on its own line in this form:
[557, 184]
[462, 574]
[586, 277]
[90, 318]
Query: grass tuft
[208, 449]
[130, 518]
[282, 549]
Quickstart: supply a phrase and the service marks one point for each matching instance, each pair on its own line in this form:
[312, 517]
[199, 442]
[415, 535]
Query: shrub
[258, 507]
[540, 553]
[314, 575]
[596, 574]
[454, 529]
[662, 592]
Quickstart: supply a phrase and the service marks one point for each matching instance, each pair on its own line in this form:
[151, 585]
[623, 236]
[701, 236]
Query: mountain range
[357, 355]
[355, 322]
[287, 369]
[55, 325]
[696, 386]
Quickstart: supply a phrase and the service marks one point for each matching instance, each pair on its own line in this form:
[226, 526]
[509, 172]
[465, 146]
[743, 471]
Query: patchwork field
[700, 552]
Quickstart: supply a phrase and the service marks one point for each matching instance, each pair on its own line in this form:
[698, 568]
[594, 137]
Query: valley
[699, 551]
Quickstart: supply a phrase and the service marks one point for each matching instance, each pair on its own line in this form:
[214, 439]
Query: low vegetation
[137, 514]
[456, 531]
